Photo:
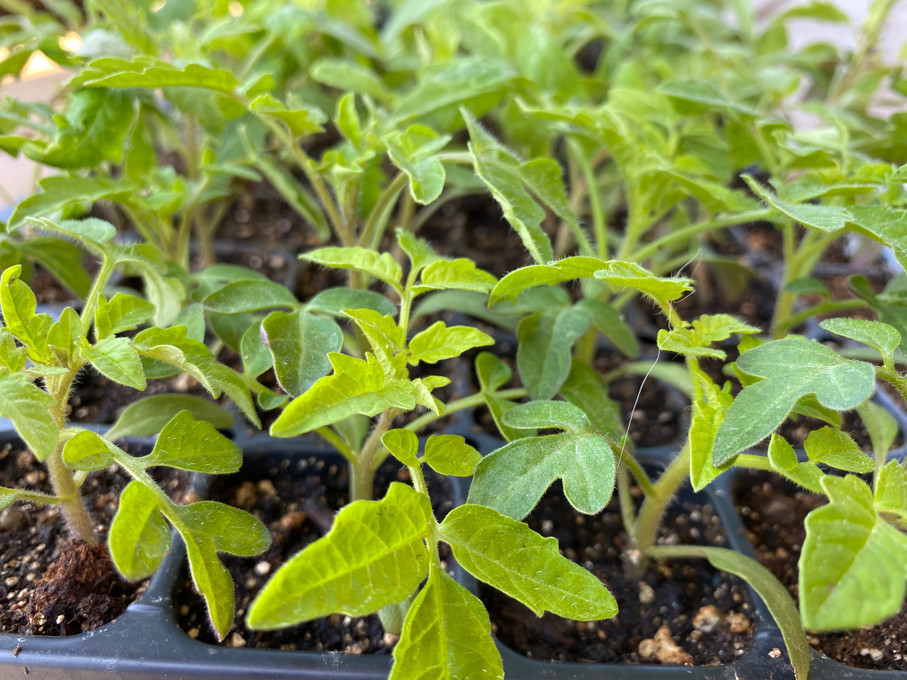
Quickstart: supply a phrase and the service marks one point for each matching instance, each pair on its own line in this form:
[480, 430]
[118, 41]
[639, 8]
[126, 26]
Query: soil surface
[51, 584]
[97, 399]
[773, 512]
[296, 498]
[678, 612]
[474, 227]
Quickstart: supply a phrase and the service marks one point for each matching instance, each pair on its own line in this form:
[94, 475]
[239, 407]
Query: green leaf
[513, 478]
[94, 131]
[62, 259]
[418, 250]
[882, 427]
[783, 458]
[60, 192]
[548, 414]
[544, 353]
[852, 566]
[299, 343]
[449, 454]
[791, 368]
[301, 122]
[334, 300]
[629, 275]
[891, 489]
[381, 266]
[608, 320]
[87, 451]
[8, 497]
[121, 313]
[508, 186]
[476, 83]
[150, 73]
[705, 93]
[567, 269]
[195, 445]
[208, 528]
[439, 342]
[460, 274]
[28, 407]
[117, 359]
[19, 306]
[509, 556]
[386, 338]
[837, 449]
[585, 389]
[880, 336]
[403, 445]
[884, 224]
[91, 229]
[357, 386]
[709, 407]
[446, 636]
[139, 536]
[413, 151]
[374, 555]
[64, 337]
[695, 339]
[822, 217]
[773, 593]
[12, 356]
[148, 415]
[616, 272]
[350, 76]
[239, 297]
[492, 374]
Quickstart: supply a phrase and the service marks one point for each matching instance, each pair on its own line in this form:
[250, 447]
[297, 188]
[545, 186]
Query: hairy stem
[362, 472]
[653, 507]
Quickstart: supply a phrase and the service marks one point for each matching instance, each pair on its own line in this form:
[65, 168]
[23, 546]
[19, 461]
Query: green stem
[337, 442]
[625, 500]
[754, 462]
[471, 401]
[680, 235]
[894, 379]
[66, 490]
[639, 474]
[37, 497]
[61, 477]
[373, 229]
[362, 472]
[826, 307]
[341, 228]
[599, 225]
[108, 265]
[799, 262]
[653, 507]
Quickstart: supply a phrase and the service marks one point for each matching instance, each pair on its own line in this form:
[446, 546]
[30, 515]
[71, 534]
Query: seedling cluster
[629, 146]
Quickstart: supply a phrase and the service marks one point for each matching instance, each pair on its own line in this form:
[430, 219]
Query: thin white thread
[623, 441]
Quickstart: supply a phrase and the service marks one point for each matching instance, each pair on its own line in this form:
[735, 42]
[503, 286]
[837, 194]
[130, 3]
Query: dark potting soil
[51, 584]
[97, 399]
[677, 612]
[260, 216]
[773, 512]
[474, 227]
[754, 304]
[296, 498]
[276, 265]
